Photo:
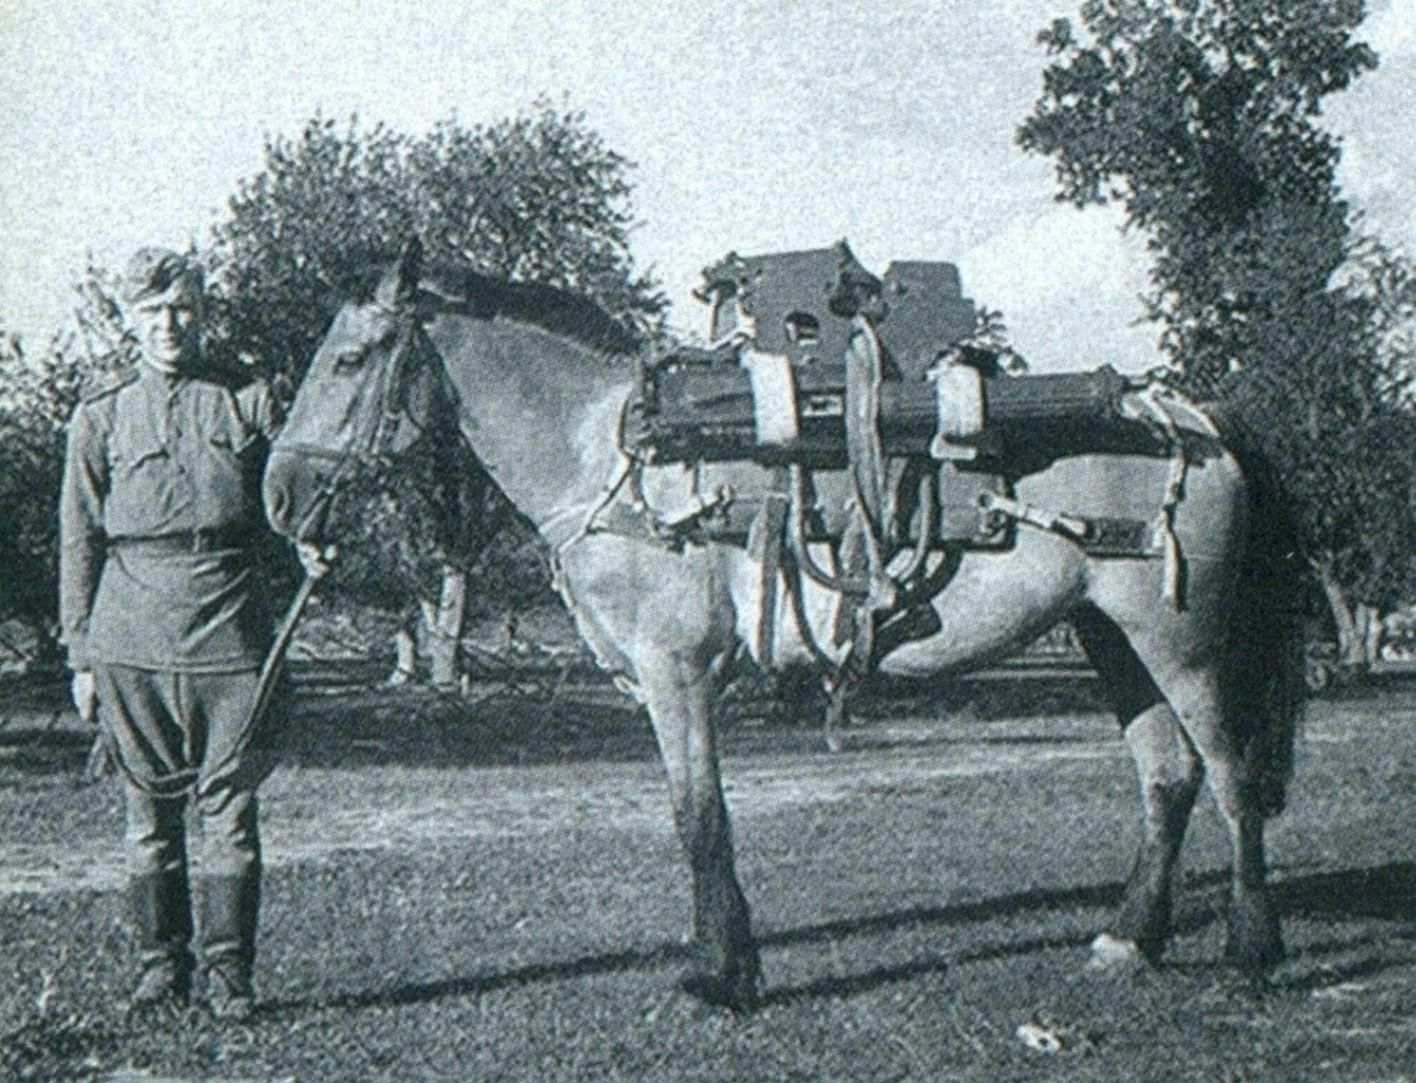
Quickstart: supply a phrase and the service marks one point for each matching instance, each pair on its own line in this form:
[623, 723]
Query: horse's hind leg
[1169, 774]
[1254, 940]
[681, 696]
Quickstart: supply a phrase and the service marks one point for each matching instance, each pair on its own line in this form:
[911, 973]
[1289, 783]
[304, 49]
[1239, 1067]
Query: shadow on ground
[1347, 896]
[1385, 892]
[342, 727]
[47, 751]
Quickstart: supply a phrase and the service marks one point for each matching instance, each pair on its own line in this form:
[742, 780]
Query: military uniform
[160, 521]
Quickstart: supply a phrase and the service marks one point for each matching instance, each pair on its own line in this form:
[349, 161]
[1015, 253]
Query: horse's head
[374, 387]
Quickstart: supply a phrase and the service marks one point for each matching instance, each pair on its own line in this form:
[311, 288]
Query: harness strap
[864, 452]
[1164, 527]
[796, 599]
[1071, 525]
[764, 545]
[774, 397]
[959, 410]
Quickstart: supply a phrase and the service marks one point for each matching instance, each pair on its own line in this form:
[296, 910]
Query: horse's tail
[1264, 681]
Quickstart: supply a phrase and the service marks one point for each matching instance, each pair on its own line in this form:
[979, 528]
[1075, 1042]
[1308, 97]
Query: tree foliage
[538, 197]
[31, 443]
[1201, 119]
[991, 334]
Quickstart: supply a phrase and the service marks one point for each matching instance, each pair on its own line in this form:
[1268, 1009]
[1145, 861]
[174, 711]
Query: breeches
[156, 834]
[180, 739]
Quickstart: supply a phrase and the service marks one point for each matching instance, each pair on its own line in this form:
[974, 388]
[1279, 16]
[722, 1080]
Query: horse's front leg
[681, 696]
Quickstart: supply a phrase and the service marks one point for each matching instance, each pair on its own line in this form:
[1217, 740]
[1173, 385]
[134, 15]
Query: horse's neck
[540, 412]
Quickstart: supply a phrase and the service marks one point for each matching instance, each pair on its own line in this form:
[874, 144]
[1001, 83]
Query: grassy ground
[495, 892]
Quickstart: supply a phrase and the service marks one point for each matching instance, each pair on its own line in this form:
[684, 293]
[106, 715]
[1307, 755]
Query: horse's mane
[455, 288]
[461, 290]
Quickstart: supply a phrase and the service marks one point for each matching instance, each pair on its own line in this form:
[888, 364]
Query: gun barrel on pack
[708, 413]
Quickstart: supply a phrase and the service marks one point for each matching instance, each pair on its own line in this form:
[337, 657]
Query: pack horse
[800, 510]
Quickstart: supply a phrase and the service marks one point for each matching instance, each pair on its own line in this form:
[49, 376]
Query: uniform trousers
[173, 730]
[180, 740]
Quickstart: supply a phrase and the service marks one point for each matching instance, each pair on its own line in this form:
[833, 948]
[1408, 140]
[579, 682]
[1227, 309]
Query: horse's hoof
[1254, 963]
[1254, 959]
[1255, 943]
[737, 994]
[1113, 955]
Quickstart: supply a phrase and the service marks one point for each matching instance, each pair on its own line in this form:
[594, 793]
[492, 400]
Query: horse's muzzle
[296, 496]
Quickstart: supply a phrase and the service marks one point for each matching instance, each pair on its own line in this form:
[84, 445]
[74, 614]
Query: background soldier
[160, 518]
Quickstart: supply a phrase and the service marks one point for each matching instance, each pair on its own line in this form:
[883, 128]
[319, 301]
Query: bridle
[409, 354]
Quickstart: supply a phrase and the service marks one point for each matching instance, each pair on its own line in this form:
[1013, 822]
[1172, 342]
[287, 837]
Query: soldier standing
[166, 633]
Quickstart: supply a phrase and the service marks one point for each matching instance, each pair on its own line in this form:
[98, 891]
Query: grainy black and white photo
[708, 541]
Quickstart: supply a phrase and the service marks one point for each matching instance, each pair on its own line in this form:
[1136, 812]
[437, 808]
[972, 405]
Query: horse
[534, 379]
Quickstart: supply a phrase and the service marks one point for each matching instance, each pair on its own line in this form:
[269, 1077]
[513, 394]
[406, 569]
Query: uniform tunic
[159, 512]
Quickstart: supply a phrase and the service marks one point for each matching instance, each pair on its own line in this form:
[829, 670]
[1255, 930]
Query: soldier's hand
[315, 559]
[84, 693]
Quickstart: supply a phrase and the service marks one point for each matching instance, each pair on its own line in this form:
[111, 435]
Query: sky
[754, 125]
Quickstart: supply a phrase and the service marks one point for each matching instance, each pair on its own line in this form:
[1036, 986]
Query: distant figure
[160, 516]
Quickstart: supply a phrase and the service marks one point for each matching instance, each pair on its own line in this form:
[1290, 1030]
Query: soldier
[160, 517]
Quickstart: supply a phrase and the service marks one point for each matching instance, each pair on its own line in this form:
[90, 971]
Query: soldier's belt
[187, 541]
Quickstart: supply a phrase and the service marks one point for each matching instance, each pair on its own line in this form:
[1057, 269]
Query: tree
[1199, 117]
[1352, 451]
[535, 197]
[30, 453]
[38, 392]
[991, 334]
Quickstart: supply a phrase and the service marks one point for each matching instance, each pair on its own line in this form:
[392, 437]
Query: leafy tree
[38, 392]
[30, 452]
[991, 334]
[1344, 430]
[535, 197]
[1199, 117]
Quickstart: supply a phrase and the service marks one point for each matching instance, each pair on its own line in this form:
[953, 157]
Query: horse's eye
[348, 359]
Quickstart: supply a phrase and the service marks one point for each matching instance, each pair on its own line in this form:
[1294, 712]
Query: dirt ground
[492, 889]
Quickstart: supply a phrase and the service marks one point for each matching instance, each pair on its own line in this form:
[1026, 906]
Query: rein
[346, 462]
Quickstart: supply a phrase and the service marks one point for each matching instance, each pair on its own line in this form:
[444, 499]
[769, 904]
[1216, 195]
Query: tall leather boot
[161, 910]
[230, 906]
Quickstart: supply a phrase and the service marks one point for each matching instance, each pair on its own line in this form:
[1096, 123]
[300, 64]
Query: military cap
[153, 271]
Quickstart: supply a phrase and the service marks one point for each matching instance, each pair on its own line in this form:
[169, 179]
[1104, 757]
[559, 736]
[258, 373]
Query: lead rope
[274, 660]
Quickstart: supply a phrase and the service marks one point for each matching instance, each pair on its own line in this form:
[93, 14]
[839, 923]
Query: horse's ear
[400, 284]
